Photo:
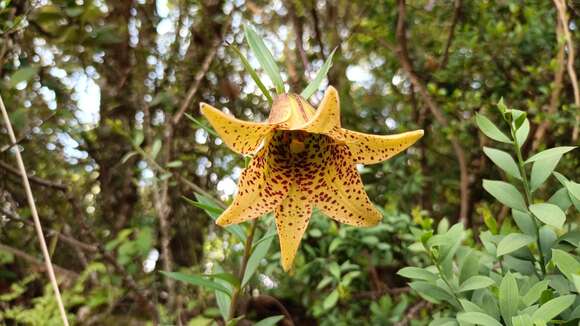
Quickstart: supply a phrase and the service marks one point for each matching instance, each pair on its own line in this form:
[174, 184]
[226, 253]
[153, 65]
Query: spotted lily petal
[341, 195]
[262, 188]
[241, 136]
[292, 218]
[369, 149]
[327, 117]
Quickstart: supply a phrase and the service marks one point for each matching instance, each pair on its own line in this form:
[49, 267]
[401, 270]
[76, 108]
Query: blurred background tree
[98, 90]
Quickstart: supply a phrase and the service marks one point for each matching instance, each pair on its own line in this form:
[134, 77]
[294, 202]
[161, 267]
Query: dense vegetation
[481, 216]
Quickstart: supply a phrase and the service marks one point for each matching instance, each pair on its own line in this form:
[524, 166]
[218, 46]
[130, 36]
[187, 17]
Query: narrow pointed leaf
[566, 263]
[490, 130]
[252, 73]
[505, 193]
[509, 298]
[522, 133]
[477, 318]
[513, 242]
[265, 58]
[561, 199]
[504, 161]
[417, 274]
[256, 257]
[553, 308]
[270, 321]
[541, 170]
[534, 293]
[556, 151]
[320, 75]
[522, 320]
[476, 282]
[197, 280]
[549, 214]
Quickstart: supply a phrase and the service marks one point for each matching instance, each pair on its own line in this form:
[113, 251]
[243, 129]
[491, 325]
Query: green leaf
[252, 73]
[551, 152]
[566, 263]
[476, 282]
[230, 278]
[197, 280]
[522, 320]
[202, 125]
[477, 318]
[417, 273]
[331, 300]
[22, 74]
[320, 75]
[432, 292]
[549, 214]
[553, 308]
[256, 257]
[561, 199]
[547, 240]
[155, 148]
[522, 133]
[513, 242]
[534, 293]
[509, 298]
[505, 193]
[541, 170]
[490, 130]
[265, 58]
[504, 161]
[214, 212]
[573, 189]
[469, 306]
[270, 321]
[524, 221]
[501, 106]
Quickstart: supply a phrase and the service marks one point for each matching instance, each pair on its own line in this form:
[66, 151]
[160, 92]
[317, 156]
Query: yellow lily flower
[302, 158]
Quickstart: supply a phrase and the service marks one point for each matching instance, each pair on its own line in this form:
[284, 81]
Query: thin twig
[450, 37]
[406, 64]
[199, 76]
[34, 212]
[33, 179]
[561, 6]
[556, 88]
[25, 134]
[35, 261]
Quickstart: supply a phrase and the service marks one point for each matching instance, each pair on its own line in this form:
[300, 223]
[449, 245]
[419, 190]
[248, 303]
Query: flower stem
[242, 272]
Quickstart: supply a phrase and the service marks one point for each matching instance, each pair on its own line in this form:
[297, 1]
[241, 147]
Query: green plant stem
[528, 198]
[242, 272]
[443, 277]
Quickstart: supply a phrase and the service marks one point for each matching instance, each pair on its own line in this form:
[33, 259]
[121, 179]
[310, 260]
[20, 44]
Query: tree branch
[37, 262]
[199, 76]
[33, 179]
[561, 6]
[451, 35]
[406, 64]
[36, 219]
[556, 88]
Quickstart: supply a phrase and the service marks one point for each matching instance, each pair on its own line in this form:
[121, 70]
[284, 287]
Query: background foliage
[97, 92]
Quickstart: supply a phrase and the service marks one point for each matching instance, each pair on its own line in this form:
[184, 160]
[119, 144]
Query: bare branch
[556, 88]
[37, 262]
[33, 179]
[406, 64]
[199, 76]
[451, 35]
[561, 6]
[37, 225]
